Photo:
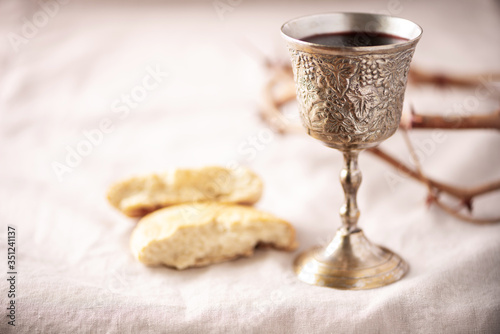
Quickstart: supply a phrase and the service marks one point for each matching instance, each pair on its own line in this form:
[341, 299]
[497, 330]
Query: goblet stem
[350, 177]
[350, 261]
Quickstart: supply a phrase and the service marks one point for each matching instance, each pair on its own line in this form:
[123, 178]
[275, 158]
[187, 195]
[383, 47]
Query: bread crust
[195, 235]
[140, 195]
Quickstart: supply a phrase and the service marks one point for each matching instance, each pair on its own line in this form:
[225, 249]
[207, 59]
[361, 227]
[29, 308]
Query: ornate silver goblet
[350, 98]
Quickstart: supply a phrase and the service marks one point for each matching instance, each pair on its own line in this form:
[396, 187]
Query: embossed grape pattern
[351, 101]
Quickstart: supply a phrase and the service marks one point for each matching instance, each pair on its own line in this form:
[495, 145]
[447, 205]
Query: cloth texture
[104, 90]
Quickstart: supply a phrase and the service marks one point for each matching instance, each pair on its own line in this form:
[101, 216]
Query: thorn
[431, 198]
[413, 115]
[468, 204]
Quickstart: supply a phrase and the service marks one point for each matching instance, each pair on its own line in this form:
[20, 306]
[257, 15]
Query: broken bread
[193, 235]
[140, 195]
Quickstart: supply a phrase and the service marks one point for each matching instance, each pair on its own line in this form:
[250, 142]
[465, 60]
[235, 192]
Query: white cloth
[75, 270]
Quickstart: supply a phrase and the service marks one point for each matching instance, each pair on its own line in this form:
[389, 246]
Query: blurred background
[67, 65]
[179, 83]
[94, 91]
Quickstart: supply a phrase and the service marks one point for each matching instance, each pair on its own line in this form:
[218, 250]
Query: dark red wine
[353, 38]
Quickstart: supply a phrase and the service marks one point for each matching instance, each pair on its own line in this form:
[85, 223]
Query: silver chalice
[350, 98]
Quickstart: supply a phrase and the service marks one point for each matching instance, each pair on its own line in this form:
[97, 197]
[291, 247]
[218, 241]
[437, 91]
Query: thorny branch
[488, 121]
[419, 76]
[280, 90]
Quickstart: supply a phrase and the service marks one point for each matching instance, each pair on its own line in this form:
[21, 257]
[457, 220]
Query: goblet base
[350, 262]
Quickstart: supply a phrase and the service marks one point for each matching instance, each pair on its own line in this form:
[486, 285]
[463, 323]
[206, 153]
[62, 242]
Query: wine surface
[351, 39]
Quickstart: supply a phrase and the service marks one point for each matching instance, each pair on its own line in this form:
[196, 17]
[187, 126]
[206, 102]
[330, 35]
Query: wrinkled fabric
[105, 90]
